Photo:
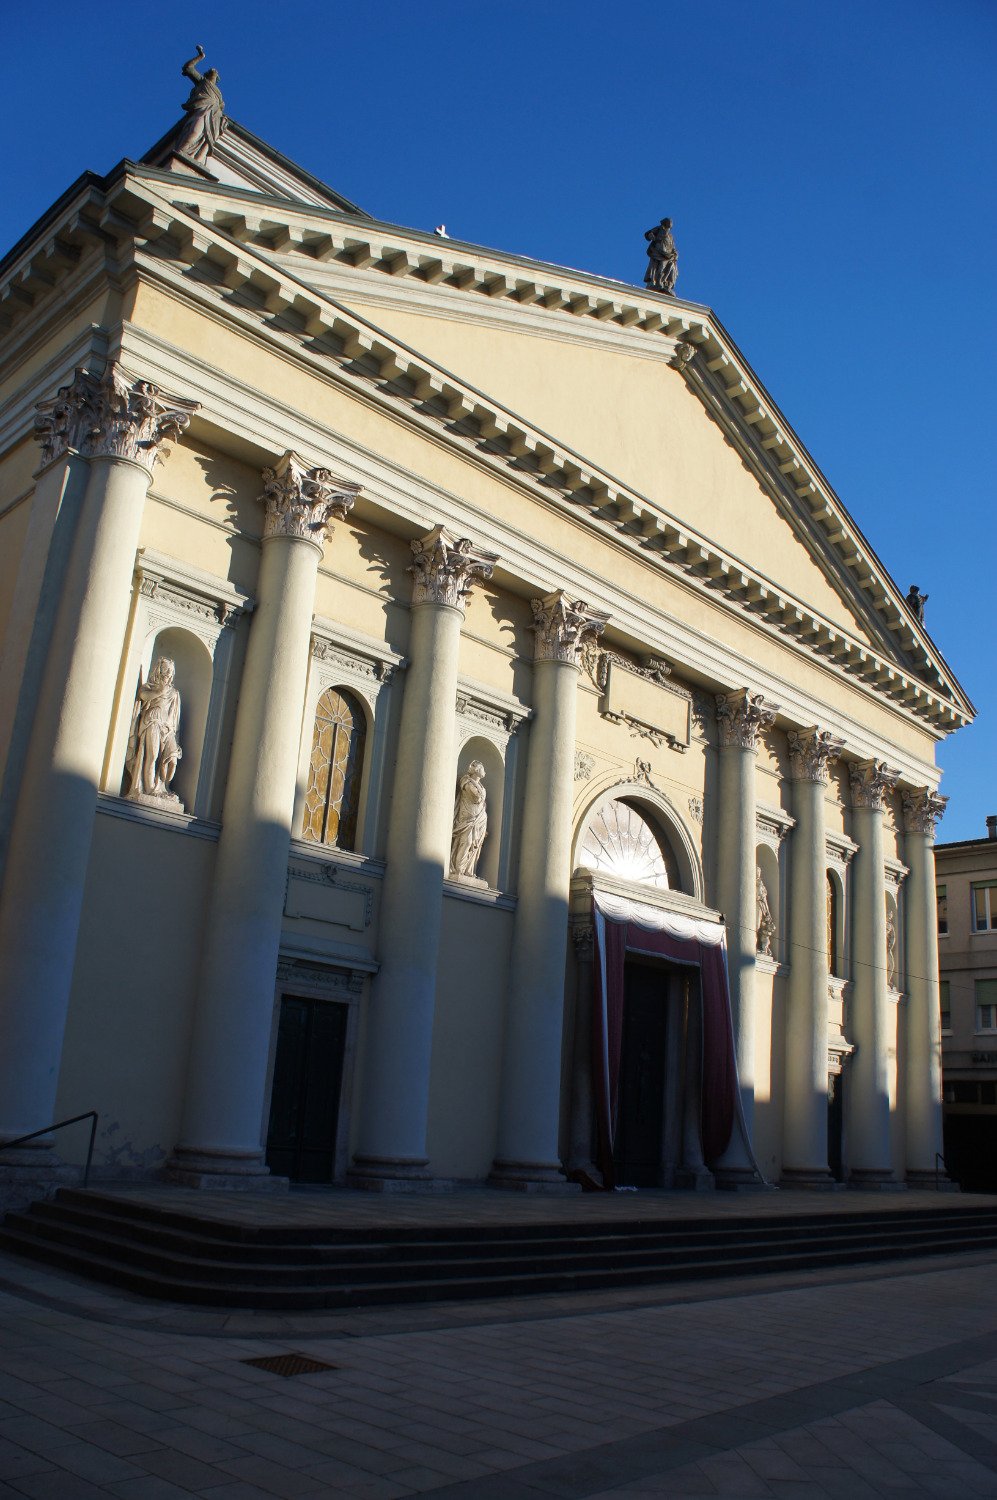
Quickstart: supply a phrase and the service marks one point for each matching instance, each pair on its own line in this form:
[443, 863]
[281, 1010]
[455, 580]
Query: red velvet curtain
[614, 939]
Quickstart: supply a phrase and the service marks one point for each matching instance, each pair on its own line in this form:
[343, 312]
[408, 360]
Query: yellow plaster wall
[13, 526]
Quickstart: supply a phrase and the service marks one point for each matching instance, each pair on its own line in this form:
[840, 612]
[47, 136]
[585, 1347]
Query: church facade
[450, 731]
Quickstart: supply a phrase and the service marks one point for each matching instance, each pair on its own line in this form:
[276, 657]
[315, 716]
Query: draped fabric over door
[625, 927]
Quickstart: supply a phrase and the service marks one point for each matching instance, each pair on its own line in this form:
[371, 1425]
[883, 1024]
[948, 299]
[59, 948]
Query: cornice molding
[363, 358]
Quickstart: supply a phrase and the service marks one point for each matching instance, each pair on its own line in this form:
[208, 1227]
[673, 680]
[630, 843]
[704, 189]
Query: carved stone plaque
[326, 903]
[653, 708]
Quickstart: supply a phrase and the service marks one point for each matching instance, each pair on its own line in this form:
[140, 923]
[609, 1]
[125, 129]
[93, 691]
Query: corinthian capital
[742, 716]
[812, 753]
[299, 502]
[563, 626]
[871, 780]
[111, 416]
[445, 568]
[922, 809]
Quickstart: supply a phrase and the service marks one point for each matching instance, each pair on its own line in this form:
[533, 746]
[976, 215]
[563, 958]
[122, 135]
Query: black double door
[307, 1082]
[640, 1116]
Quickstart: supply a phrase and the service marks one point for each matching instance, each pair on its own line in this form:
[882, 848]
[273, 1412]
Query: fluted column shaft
[867, 1091]
[118, 426]
[221, 1132]
[741, 716]
[805, 1100]
[923, 1049]
[527, 1156]
[391, 1147]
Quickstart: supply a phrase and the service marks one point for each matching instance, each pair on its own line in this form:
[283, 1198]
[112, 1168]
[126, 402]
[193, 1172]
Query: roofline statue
[662, 259]
[205, 110]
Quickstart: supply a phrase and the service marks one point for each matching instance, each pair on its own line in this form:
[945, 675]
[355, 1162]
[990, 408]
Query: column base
[741, 1180]
[391, 1174]
[27, 1175]
[874, 1180]
[532, 1177]
[926, 1181]
[695, 1179]
[810, 1179]
[223, 1171]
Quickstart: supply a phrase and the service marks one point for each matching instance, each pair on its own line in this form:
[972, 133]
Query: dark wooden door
[307, 1080]
[640, 1110]
[835, 1126]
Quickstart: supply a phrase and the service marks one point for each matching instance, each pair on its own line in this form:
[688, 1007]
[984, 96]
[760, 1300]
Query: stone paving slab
[869, 1383]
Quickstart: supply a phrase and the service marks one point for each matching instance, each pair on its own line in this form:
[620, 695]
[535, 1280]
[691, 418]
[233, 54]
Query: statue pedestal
[474, 881]
[161, 801]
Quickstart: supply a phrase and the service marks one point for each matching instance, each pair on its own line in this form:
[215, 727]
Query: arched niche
[894, 969]
[629, 841]
[480, 748]
[767, 863]
[835, 897]
[334, 795]
[193, 669]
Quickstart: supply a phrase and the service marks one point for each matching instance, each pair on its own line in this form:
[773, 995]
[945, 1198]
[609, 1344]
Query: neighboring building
[967, 961]
[255, 909]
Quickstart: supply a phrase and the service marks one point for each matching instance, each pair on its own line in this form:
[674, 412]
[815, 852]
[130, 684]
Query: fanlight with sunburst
[620, 842]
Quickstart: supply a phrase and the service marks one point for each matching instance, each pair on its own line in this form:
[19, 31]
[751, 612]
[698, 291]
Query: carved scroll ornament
[812, 752]
[563, 626]
[299, 502]
[923, 809]
[445, 568]
[870, 781]
[742, 716]
[111, 416]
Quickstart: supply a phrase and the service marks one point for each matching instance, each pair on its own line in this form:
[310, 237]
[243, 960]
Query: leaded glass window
[622, 843]
[332, 799]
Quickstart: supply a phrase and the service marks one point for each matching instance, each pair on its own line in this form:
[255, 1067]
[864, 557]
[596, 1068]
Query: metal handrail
[91, 1115]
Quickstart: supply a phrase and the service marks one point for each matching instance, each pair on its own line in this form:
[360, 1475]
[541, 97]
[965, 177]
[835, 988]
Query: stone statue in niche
[153, 748]
[662, 259]
[470, 824]
[766, 921]
[205, 110]
[891, 947]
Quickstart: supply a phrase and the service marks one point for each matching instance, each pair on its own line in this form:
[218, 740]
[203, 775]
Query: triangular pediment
[242, 161]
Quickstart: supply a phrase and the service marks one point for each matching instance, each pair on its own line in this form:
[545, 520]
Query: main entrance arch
[653, 1080]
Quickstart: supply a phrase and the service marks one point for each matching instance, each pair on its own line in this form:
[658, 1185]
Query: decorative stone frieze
[583, 937]
[563, 627]
[742, 715]
[596, 661]
[584, 765]
[111, 416]
[445, 568]
[697, 809]
[812, 752]
[870, 781]
[682, 356]
[922, 810]
[299, 502]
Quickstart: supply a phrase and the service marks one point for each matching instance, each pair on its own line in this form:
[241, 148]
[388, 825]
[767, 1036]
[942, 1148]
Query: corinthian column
[867, 1093]
[529, 1110]
[395, 1100]
[922, 1080]
[741, 716]
[220, 1143]
[811, 753]
[118, 425]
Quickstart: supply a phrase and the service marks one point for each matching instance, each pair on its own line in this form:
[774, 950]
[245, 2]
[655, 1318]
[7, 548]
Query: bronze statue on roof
[205, 109]
[663, 259]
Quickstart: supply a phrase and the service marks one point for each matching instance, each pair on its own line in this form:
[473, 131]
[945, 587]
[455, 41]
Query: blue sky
[828, 164]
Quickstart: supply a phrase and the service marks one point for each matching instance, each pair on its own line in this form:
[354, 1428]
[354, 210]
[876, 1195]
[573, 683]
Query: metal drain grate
[290, 1364]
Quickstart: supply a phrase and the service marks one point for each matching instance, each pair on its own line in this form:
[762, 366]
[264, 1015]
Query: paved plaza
[862, 1382]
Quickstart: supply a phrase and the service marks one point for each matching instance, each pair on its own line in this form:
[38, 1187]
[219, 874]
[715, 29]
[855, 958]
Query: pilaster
[391, 1153]
[528, 1156]
[741, 717]
[119, 426]
[221, 1138]
[867, 1095]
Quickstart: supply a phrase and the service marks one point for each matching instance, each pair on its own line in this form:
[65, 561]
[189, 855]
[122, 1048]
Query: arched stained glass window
[621, 842]
[332, 799]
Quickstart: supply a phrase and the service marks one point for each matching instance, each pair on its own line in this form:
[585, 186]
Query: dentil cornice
[444, 568]
[812, 752]
[742, 715]
[111, 416]
[299, 502]
[923, 810]
[870, 781]
[563, 626]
